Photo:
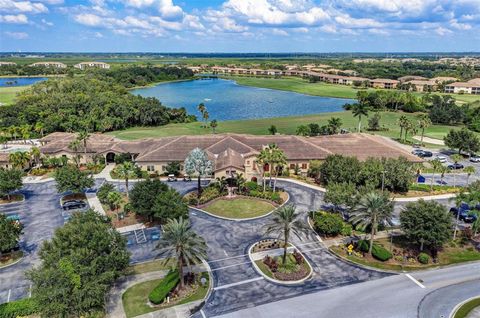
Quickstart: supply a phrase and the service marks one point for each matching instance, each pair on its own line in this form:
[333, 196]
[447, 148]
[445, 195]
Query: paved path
[429, 140]
[396, 296]
[115, 304]
[94, 203]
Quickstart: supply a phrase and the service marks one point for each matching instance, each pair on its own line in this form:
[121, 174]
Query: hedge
[423, 258]
[380, 253]
[159, 293]
[23, 307]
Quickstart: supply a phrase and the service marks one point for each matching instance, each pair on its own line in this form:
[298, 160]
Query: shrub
[363, 246]
[271, 263]
[328, 223]
[346, 230]
[103, 192]
[23, 307]
[209, 194]
[380, 253]
[423, 258]
[298, 257]
[251, 186]
[159, 293]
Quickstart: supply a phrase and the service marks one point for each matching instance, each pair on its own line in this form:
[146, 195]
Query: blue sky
[239, 25]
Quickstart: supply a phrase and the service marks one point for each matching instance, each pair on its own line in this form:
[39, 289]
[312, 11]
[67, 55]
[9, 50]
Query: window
[304, 166]
[248, 162]
[164, 168]
[150, 168]
[292, 166]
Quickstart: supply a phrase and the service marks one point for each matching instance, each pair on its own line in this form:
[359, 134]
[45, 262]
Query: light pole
[383, 180]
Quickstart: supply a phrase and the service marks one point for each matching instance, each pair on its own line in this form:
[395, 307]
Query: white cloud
[22, 6]
[392, 6]
[47, 23]
[51, 2]
[281, 32]
[14, 19]
[349, 22]
[443, 31]
[98, 35]
[88, 19]
[169, 11]
[460, 26]
[17, 35]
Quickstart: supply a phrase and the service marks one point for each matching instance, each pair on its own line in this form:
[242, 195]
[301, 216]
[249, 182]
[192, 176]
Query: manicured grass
[450, 254]
[299, 85]
[152, 266]
[8, 94]
[135, 299]
[466, 308]
[17, 197]
[239, 208]
[285, 125]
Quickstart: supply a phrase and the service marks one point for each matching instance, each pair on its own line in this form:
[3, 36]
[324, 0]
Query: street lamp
[383, 180]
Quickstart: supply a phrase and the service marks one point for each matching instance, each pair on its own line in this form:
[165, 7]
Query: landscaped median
[268, 260]
[12, 198]
[466, 308]
[160, 294]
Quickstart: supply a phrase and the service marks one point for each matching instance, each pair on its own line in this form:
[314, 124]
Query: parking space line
[203, 314]
[8, 297]
[415, 281]
[239, 283]
[216, 269]
[225, 252]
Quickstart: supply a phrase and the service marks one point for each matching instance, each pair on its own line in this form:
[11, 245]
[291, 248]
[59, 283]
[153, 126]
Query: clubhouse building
[229, 153]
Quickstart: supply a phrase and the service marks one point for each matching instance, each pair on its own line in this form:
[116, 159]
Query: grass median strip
[239, 208]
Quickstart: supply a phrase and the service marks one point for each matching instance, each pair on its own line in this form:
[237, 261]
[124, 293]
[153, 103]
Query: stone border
[243, 219]
[14, 263]
[458, 306]
[14, 202]
[276, 281]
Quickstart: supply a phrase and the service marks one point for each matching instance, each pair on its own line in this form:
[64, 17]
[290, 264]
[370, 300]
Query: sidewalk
[94, 203]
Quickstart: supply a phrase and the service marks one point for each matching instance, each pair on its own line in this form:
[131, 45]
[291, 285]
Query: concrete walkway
[94, 203]
[105, 173]
[475, 313]
[115, 304]
[429, 140]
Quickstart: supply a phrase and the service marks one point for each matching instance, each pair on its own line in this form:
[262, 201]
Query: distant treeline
[27, 70]
[87, 103]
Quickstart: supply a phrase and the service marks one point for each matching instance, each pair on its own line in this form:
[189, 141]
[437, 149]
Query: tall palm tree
[201, 108]
[35, 154]
[39, 128]
[181, 242]
[402, 122]
[459, 199]
[334, 124]
[436, 166]
[206, 115]
[83, 138]
[126, 171]
[455, 158]
[285, 222]
[373, 208]
[423, 123]
[19, 159]
[214, 125]
[74, 145]
[359, 110]
[469, 171]
[278, 161]
[261, 162]
[114, 199]
[25, 132]
[442, 171]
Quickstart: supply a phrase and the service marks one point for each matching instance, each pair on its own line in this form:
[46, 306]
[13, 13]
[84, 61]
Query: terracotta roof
[228, 159]
[383, 80]
[4, 157]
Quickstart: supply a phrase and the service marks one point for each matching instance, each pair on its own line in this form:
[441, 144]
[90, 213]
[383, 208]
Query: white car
[442, 159]
[475, 159]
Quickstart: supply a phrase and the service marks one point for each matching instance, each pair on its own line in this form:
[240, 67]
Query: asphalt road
[395, 296]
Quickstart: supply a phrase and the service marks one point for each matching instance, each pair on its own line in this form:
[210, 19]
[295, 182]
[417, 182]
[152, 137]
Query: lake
[226, 100]
[19, 81]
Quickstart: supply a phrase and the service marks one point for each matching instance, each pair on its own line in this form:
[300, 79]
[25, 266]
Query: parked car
[442, 159]
[171, 178]
[74, 204]
[416, 152]
[187, 178]
[425, 154]
[465, 213]
[455, 166]
[475, 159]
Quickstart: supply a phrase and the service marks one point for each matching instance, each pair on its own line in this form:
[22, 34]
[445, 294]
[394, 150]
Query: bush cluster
[330, 224]
[19, 308]
[268, 195]
[159, 293]
[423, 258]
[378, 251]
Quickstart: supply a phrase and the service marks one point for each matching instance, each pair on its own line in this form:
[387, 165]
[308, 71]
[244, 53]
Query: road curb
[14, 202]
[457, 307]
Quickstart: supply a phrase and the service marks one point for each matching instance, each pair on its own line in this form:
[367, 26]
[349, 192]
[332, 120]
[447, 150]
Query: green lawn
[7, 94]
[466, 308]
[135, 298]
[285, 125]
[152, 266]
[239, 208]
[299, 85]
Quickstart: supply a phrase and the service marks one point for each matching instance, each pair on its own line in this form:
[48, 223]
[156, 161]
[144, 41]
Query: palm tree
[201, 108]
[278, 161]
[114, 199]
[25, 132]
[456, 158]
[402, 123]
[436, 166]
[180, 241]
[423, 123]
[35, 154]
[19, 159]
[359, 110]
[3, 141]
[39, 128]
[74, 145]
[373, 208]
[214, 124]
[83, 138]
[286, 221]
[469, 171]
[476, 223]
[261, 162]
[206, 115]
[126, 171]
[334, 124]
[442, 171]
[272, 129]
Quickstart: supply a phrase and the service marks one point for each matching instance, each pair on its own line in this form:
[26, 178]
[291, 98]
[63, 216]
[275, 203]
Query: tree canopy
[71, 178]
[169, 205]
[10, 180]
[9, 233]
[78, 266]
[144, 194]
[462, 140]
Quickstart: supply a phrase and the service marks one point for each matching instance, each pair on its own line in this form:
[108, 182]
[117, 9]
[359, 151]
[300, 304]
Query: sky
[239, 25]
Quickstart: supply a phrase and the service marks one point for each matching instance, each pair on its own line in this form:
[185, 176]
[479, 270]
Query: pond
[19, 81]
[226, 100]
